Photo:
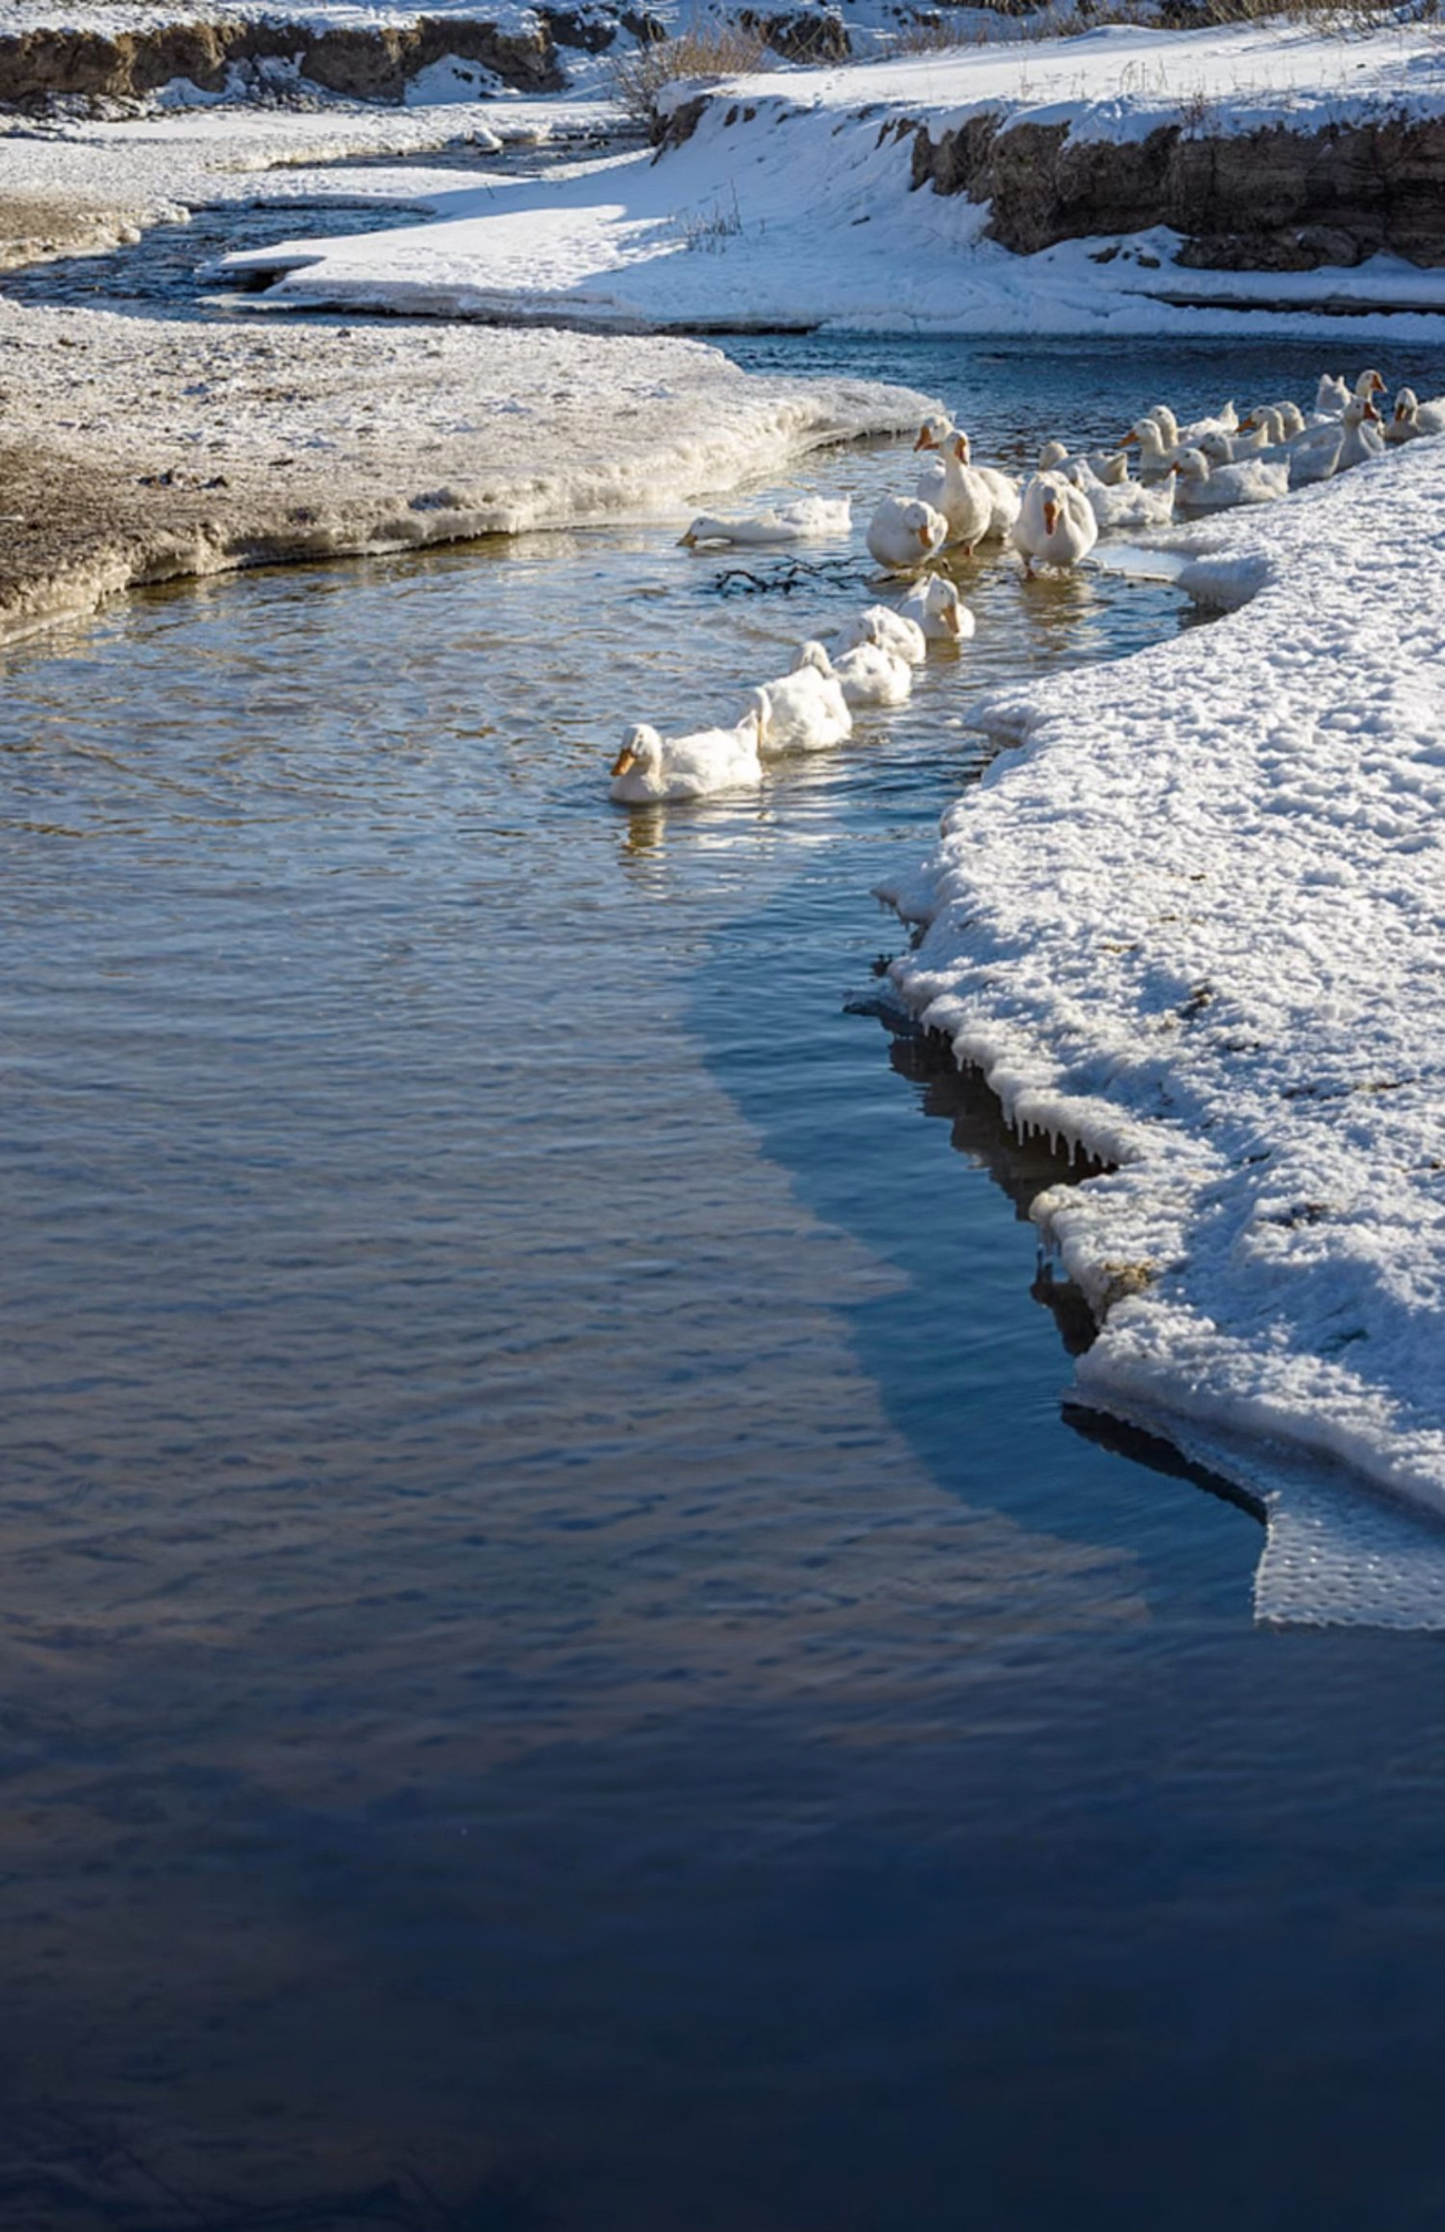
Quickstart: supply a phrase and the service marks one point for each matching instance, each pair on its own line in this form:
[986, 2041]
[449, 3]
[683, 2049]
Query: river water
[563, 1663]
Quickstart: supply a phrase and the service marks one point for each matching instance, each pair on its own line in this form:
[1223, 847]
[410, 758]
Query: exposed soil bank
[369, 62]
[145, 450]
[1259, 201]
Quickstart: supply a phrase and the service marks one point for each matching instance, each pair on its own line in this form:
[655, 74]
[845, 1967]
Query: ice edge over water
[1192, 922]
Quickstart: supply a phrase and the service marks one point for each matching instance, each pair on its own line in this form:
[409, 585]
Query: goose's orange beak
[925, 538]
[625, 759]
[952, 622]
[925, 439]
[1372, 414]
[1051, 518]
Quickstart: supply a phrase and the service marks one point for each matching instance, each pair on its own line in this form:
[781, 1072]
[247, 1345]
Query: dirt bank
[1259, 201]
[370, 62]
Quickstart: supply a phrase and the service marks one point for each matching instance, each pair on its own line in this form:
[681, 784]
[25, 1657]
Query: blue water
[563, 1663]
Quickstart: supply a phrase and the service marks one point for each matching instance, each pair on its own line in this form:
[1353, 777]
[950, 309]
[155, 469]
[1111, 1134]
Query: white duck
[1177, 437]
[1411, 418]
[1331, 396]
[804, 711]
[1121, 505]
[952, 486]
[936, 607]
[1291, 418]
[868, 675]
[904, 533]
[1109, 466]
[650, 768]
[810, 519]
[1056, 524]
[880, 624]
[1156, 455]
[1363, 438]
[1251, 481]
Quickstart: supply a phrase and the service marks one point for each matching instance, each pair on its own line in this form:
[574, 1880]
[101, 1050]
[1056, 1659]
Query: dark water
[563, 1666]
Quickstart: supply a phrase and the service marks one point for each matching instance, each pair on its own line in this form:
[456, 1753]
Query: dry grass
[725, 50]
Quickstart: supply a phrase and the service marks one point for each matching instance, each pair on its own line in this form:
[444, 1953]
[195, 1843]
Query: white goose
[804, 711]
[650, 768]
[880, 624]
[1056, 524]
[1251, 481]
[1331, 396]
[904, 533]
[810, 519]
[952, 486]
[936, 607]
[868, 675]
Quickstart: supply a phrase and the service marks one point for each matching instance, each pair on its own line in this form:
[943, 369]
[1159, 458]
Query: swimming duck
[952, 486]
[1331, 396]
[880, 624]
[804, 711]
[904, 533]
[868, 675]
[1251, 481]
[1109, 466]
[650, 768]
[1056, 524]
[809, 519]
[936, 607]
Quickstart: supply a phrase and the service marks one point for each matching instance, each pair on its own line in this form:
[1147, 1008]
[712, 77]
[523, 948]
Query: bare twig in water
[792, 574]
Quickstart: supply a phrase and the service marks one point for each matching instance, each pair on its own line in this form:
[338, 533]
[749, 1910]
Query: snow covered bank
[1194, 923]
[139, 450]
[808, 197]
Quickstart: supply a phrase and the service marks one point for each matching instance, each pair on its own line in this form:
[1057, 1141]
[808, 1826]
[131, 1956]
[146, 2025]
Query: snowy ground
[801, 213]
[1194, 924]
[142, 449]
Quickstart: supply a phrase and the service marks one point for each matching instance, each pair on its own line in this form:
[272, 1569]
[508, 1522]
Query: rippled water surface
[563, 1666]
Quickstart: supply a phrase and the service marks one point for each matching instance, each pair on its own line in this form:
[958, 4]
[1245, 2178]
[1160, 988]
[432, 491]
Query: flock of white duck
[1053, 521]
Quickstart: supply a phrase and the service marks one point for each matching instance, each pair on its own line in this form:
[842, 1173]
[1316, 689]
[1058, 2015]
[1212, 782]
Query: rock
[1335, 196]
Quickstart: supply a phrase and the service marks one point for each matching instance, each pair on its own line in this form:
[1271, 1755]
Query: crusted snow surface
[173, 448]
[1194, 923]
[792, 202]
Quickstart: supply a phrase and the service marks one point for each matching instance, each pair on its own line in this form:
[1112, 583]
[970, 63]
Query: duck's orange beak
[1372, 414]
[1377, 385]
[1051, 518]
[952, 622]
[925, 538]
[625, 759]
[925, 439]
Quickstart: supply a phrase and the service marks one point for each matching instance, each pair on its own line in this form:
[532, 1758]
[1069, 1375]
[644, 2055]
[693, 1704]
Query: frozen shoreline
[1192, 923]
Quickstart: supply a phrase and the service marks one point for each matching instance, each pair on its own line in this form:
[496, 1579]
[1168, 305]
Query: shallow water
[562, 1663]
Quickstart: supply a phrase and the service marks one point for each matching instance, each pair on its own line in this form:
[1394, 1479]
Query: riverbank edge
[239, 467]
[1127, 1240]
